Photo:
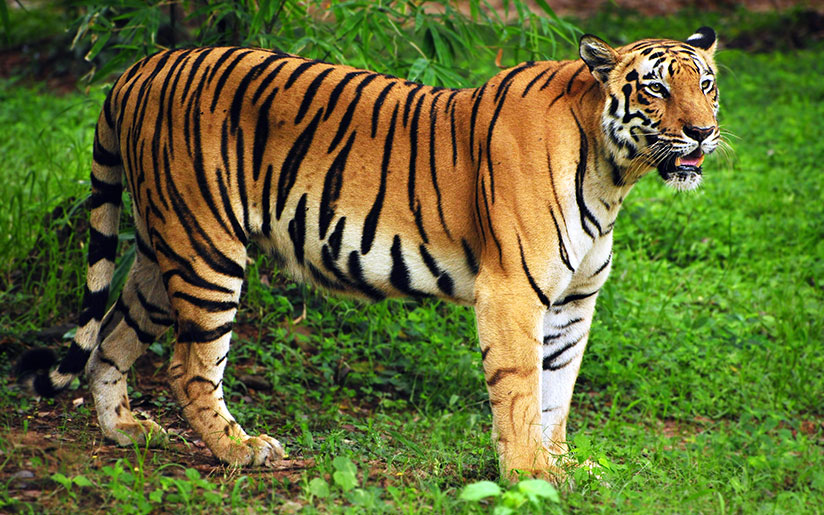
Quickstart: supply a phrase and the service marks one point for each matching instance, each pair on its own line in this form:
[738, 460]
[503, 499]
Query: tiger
[502, 197]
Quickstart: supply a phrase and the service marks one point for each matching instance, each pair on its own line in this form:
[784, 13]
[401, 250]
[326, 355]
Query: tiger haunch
[503, 197]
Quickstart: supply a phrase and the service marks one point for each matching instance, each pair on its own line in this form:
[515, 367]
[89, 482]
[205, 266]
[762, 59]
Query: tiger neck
[610, 171]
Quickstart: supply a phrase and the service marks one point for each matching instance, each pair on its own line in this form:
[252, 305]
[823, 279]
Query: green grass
[701, 390]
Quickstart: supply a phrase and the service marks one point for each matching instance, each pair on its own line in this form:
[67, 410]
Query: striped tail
[34, 369]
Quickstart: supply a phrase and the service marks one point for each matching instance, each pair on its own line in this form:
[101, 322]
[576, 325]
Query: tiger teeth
[700, 160]
[677, 162]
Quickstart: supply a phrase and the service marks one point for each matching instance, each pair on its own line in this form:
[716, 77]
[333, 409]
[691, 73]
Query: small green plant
[529, 495]
[70, 482]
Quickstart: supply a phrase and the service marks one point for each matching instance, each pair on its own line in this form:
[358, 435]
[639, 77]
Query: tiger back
[501, 197]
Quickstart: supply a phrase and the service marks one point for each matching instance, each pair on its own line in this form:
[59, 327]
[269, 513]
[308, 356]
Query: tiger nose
[699, 134]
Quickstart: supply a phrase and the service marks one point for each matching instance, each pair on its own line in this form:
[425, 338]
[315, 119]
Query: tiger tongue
[690, 160]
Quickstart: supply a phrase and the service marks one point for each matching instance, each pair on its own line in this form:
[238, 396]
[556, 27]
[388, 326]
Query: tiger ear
[704, 38]
[599, 57]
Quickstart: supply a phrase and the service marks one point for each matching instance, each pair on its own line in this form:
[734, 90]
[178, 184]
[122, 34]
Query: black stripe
[189, 331]
[549, 79]
[309, 94]
[291, 164]
[266, 208]
[557, 353]
[226, 54]
[489, 141]
[297, 72]
[102, 156]
[332, 184]
[323, 281]
[377, 107]
[408, 105]
[541, 296]
[399, 275]
[297, 228]
[568, 324]
[268, 79]
[413, 159]
[261, 140]
[418, 215]
[44, 387]
[444, 280]
[193, 69]
[475, 106]
[212, 306]
[433, 122]
[370, 225]
[223, 78]
[329, 262]
[573, 297]
[166, 104]
[335, 95]
[350, 111]
[446, 284]
[203, 182]
[107, 109]
[356, 272]
[572, 79]
[552, 367]
[240, 178]
[143, 336]
[201, 379]
[336, 237]
[148, 306]
[602, 267]
[75, 360]
[533, 81]
[429, 261]
[191, 111]
[101, 246]
[471, 261]
[204, 246]
[489, 223]
[586, 214]
[170, 104]
[509, 77]
[184, 268]
[228, 210]
[453, 136]
[144, 248]
[562, 251]
[105, 193]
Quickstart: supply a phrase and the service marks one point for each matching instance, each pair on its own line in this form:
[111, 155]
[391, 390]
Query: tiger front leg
[565, 333]
[510, 330]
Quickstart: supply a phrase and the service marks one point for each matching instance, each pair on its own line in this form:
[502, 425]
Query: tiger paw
[253, 451]
[137, 432]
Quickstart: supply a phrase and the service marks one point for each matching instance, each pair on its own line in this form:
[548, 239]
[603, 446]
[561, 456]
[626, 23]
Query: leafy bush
[425, 41]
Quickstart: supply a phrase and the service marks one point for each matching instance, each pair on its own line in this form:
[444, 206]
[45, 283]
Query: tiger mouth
[682, 172]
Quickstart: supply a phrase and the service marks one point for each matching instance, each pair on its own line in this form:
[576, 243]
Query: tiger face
[661, 105]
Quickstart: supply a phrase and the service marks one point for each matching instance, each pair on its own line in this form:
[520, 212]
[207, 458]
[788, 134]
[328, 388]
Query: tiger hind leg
[140, 316]
[205, 315]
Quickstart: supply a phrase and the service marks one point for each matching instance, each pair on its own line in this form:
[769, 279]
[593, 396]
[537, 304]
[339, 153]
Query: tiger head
[661, 101]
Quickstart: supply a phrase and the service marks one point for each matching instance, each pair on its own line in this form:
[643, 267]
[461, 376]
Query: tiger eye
[655, 87]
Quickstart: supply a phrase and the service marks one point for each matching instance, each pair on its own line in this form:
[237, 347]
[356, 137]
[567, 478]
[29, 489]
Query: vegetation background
[702, 388]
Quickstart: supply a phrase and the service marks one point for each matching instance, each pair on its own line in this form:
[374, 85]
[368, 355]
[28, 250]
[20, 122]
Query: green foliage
[424, 41]
[527, 496]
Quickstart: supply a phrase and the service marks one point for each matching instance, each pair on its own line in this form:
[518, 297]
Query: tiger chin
[502, 197]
